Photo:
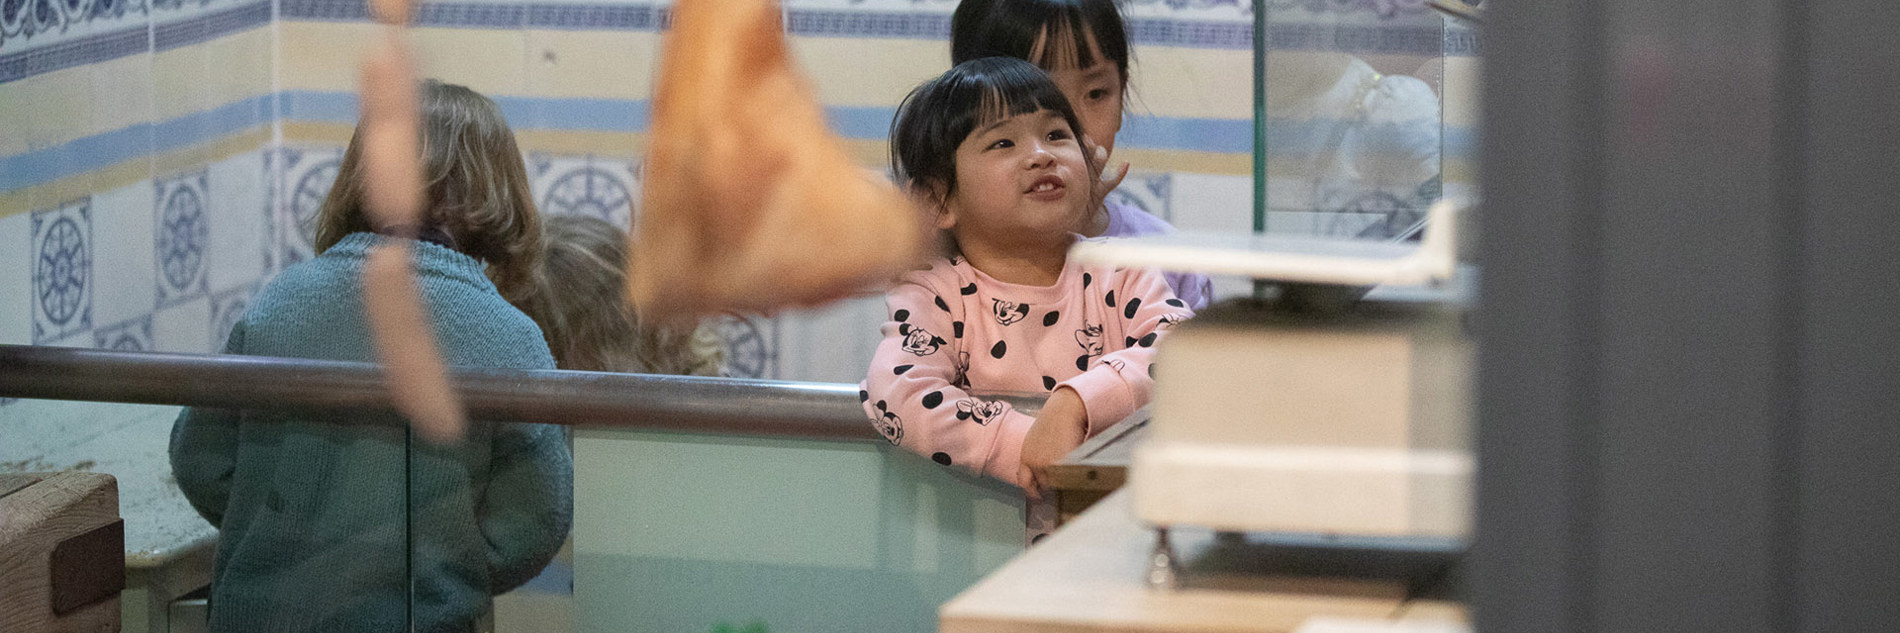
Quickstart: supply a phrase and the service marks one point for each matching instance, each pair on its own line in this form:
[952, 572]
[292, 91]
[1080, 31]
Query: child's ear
[936, 201]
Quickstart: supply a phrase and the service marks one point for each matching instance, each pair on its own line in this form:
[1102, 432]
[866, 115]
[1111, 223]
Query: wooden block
[71, 519]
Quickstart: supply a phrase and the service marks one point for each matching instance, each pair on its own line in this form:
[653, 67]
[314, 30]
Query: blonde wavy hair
[475, 183]
[582, 309]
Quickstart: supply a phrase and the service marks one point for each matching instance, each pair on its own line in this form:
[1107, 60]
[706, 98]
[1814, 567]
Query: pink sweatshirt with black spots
[954, 330]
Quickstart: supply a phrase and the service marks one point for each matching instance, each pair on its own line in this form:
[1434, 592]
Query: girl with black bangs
[989, 150]
[1083, 46]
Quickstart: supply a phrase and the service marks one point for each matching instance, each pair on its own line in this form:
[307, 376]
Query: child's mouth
[1047, 188]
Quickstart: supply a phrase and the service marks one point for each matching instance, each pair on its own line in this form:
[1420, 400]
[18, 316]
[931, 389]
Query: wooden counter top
[1088, 575]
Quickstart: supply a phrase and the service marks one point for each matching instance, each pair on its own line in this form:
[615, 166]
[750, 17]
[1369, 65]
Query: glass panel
[1353, 124]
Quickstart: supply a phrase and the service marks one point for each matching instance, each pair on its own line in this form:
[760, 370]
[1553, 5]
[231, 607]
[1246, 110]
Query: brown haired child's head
[476, 188]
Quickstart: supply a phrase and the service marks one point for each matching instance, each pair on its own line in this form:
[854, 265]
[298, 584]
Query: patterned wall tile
[303, 179]
[1148, 191]
[605, 188]
[182, 236]
[62, 255]
[227, 307]
[752, 346]
[131, 336]
[61, 26]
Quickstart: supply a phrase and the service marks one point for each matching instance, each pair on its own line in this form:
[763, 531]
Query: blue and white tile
[238, 229]
[306, 175]
[27, 25]
[16, 280]
[130, 336]
[1148, 191]
[752, 346]
[833, 343]
[182, 328]
[181, 236]
[226, 308]
[604, 188]
[123, 266]
[62, 260]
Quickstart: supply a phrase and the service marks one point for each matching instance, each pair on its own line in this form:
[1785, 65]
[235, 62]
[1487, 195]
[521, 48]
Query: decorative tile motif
[307, 175]
[22, 21]
[751, 347]
[183, 232]
[227, 308]
[131, 336]
[62, 271]
[1148, 192]
[584, 185]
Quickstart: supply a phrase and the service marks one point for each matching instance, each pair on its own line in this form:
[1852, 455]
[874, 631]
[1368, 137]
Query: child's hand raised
[1106, 180]
[1059, 428]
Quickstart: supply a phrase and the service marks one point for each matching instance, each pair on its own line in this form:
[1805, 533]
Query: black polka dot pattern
[900, 369]
[942, 306]
[1176, 303]
[1128, 311]
[1048, 383]
[941, 458]
[902, 315]
[864, 396]
[1149, 340]
[958, 327]
[932, 399]
[1111, 298]
[1051, 318]
[999, 349]
[969, 290]
[1086, 278]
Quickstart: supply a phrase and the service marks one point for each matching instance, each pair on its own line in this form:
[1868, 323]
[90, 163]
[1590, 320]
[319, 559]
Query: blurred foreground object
[62, 552]
[750, 202]
[399, 322]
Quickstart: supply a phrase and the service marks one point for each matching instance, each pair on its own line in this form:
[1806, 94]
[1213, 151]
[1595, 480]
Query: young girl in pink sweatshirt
[990, 149]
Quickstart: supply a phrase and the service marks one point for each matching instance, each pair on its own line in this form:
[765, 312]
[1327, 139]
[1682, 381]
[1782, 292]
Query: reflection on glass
[1352, 118]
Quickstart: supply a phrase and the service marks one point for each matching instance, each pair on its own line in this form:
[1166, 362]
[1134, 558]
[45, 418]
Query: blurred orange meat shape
[750, 202]
[399, 323]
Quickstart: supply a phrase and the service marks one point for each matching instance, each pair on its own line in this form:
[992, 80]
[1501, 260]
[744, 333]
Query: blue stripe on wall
[106, 149]
[532, 113]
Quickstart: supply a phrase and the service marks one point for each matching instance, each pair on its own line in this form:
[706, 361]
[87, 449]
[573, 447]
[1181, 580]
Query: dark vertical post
[1689, 412]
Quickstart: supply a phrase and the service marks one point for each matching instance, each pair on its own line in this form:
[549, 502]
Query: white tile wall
[123, 229]
[239, 224]
[184, 328]
[16, 280]
[830, 344]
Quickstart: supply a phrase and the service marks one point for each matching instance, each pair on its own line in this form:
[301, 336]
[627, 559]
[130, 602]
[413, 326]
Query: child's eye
[1002, 144]
[1098, 94]
[1060, 134]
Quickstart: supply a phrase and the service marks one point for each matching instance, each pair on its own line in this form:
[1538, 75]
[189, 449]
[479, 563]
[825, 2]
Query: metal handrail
[682, 403]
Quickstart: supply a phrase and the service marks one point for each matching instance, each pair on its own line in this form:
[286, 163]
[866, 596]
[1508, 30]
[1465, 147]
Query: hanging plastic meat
[417, 378]
[750, 202]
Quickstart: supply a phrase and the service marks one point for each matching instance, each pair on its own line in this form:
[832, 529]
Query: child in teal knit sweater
[339, 521]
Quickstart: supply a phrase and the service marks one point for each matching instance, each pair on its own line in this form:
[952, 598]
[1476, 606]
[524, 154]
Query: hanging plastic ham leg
[750, 203]
[399, 323]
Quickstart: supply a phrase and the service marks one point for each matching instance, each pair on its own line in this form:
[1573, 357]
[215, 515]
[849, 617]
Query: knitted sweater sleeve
[203, 450]
[915, 391]
[1121, 381]
[527, 507]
